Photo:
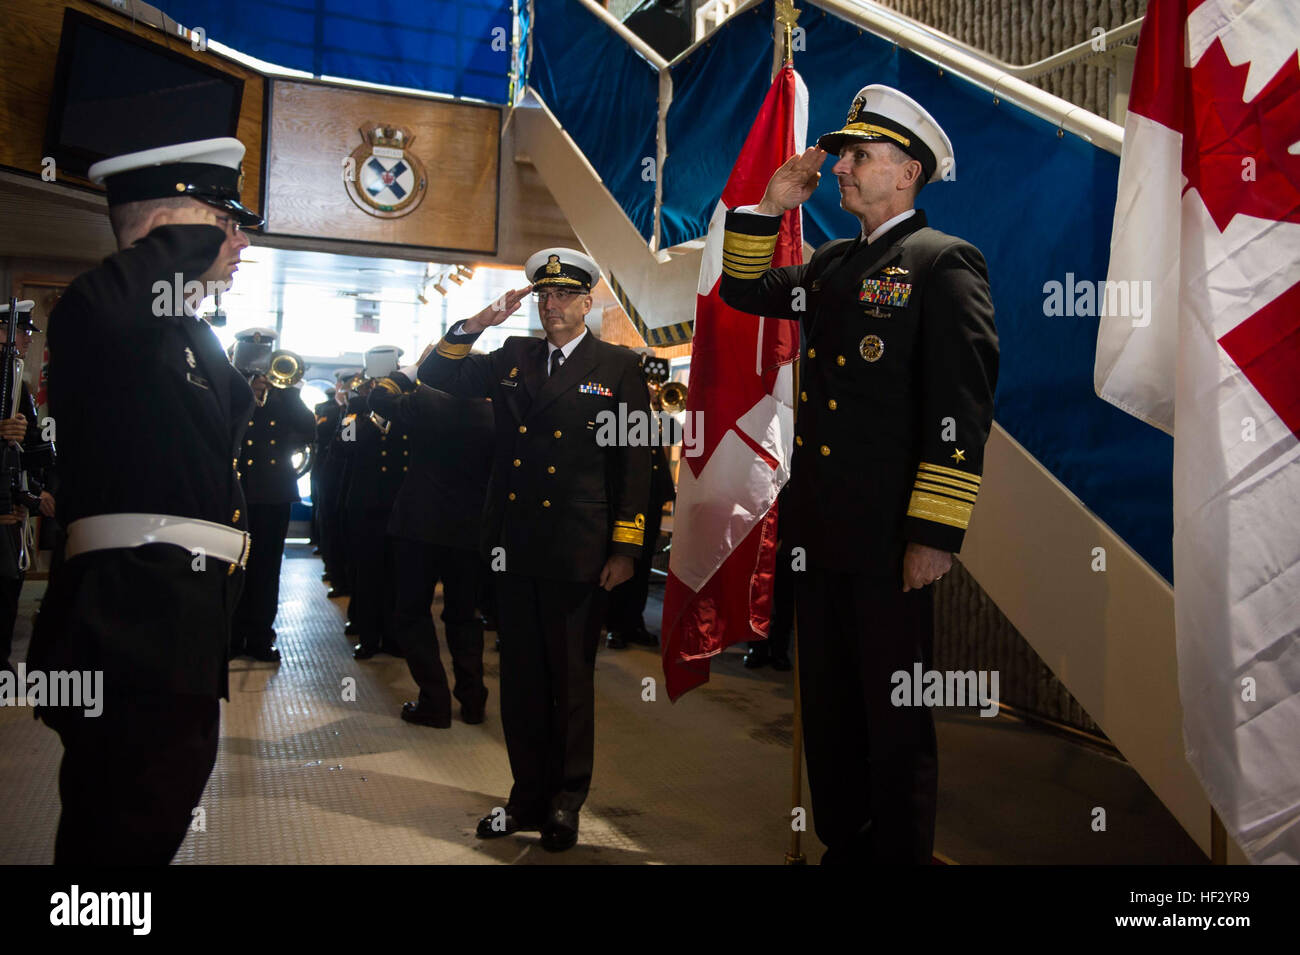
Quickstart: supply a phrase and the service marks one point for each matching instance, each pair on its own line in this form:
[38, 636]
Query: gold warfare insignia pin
[871, 348]
[189, 357]
[553, 265]
[389, 180]
[895, 270]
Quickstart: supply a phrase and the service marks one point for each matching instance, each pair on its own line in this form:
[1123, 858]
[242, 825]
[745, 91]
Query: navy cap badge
[553, 265]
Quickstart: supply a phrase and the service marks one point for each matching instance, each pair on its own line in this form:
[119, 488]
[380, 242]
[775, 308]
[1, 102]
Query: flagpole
[786, 16]
[1218, 840]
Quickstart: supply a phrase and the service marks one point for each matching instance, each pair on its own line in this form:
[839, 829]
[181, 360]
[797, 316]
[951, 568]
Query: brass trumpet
[287, 369]
[672, 397]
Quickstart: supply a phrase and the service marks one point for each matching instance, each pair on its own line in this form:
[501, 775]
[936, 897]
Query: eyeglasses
[559, 296]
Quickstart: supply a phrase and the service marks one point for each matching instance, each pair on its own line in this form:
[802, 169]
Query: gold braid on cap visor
[873, 130]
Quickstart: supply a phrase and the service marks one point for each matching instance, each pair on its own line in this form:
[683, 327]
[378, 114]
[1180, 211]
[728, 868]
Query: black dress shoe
[756, 657]
[412, 713]
[615, 640]
[781, 661]
[337, 592]
[560, 831]
[642, 637]
[349, 629]
[265, 655]
[324, 577]
[392, 650]
[363, 652]
[494, 825]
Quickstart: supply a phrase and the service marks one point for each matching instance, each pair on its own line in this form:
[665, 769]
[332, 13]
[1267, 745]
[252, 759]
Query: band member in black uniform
[565, 513]
[899, 365]
[155, 516]
[280, 425]
[327, 418]
[434, 530]
[37, 460]
[379, 456]
[332, 468]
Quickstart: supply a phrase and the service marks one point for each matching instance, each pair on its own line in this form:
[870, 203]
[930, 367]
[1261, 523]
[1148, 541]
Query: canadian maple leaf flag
[1208, 212]
[721, 566]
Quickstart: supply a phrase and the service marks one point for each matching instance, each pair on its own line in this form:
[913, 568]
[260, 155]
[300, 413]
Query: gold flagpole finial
[787, 16]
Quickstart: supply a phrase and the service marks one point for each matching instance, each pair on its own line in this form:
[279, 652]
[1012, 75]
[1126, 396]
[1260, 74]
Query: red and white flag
[721, 567]
[1208, 213]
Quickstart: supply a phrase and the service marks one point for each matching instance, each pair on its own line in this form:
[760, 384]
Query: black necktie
[557, 359]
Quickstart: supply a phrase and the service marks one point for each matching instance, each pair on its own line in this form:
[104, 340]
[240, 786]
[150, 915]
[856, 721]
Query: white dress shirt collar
[886, 226]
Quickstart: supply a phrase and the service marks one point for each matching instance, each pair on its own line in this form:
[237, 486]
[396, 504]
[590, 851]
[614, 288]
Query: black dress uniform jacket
[441, 500]
[900, 360]
[558, 502]
[275, 431]
[150, 414]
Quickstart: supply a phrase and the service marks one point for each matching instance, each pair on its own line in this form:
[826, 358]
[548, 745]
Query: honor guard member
[899, 365]
[37, 461]
[280, 425]
[155, 516]
[434, 530]
[333, 471]
[564, 522]
[379, 459]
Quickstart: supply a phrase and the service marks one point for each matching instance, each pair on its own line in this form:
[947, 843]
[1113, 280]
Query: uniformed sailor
[36, 459]
[564, 520]
[434, 530]
[155, 515]
[326, 414]
[379, 458]
[895, 403]
[332, 471]
[280, 425]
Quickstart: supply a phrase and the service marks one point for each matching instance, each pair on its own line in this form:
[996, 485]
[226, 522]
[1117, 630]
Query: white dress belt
[107, 531]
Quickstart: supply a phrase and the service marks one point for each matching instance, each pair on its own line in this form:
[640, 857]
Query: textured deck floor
[306, 776]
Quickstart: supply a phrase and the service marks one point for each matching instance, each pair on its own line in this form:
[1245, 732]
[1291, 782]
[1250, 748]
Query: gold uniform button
[236, 517]
[812, 353]
[798, 440]
[523, 429]
[831, 404]
[405, 437]
[273, 460]
[406, 454]
[272, 424]
[825, 450]
[383, 467]
[383, 454]
[550, 469]
[249, 442]
[250, 424]
[249, 461]
[516, 462]
[510, 496]
[803, 396]
[273, 440]
[839, 360]
[558, 433]
[546, 503]
[403, 467]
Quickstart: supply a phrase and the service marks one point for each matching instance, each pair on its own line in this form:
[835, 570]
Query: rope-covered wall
[1025, 31]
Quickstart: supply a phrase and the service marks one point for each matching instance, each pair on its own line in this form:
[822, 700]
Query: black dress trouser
[131, 777]
[253, 627]
[419, 565]
[10, 590]
[872, 766]
[371, 577]
[549, 631]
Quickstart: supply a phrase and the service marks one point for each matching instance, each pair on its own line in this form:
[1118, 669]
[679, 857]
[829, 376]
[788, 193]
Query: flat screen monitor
[115, 93]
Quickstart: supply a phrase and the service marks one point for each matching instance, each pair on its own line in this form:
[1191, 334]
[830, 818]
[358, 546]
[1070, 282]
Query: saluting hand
[498, 311]
[616, 570]
[793, 183]
[13, 429]
[923, 566]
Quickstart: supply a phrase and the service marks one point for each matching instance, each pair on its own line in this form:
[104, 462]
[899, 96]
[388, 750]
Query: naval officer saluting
[900, 359]
[154, 512]
[566, 514]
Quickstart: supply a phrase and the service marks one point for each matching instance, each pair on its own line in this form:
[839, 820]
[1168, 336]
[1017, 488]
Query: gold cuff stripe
[871, 129]
[744, 271]
[950, 472]
[943, 489]
[939, 509]
[741, 243]
[388, 385]
[448, 350]
[755, 256]
[628, 535]
[947, 482]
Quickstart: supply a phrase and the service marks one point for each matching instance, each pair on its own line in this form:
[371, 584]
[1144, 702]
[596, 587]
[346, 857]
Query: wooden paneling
[315, 127]
[29, 46]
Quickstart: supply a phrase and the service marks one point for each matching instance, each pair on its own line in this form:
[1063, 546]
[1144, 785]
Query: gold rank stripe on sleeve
[944, 495]
[449, 350]
[746, 256]
[626, 532]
